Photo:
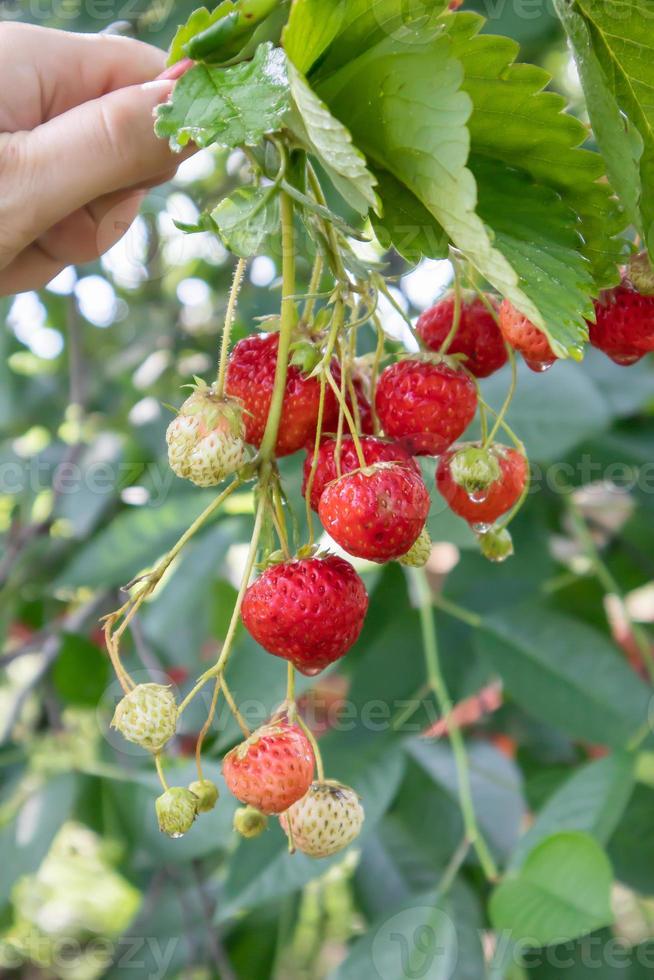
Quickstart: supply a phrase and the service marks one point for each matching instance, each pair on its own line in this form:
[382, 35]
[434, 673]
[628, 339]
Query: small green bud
[418, 554]
[207, 794]
[147, 716]
[475, 469]
[496, 545]
[176, 811]
[249, 822]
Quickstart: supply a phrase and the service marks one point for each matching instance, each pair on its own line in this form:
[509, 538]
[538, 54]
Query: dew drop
[176, 836]
[310, 671]
[625, 360]
[479, 496]
[538, 366]
[481, 528]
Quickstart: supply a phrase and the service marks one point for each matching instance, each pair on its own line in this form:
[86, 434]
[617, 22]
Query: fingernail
[177, 70]
[162, 86]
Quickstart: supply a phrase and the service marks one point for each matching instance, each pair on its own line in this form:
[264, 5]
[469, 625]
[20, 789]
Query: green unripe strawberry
[496, 544]
[418, 554]
[249, 822]
[207, 794]
[176, 809]
[147, 716]
[206, 439]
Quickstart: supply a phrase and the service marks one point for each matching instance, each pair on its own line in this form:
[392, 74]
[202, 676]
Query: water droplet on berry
[481, 528]
[176, 836]
[538, 366]
[311, 671]
[479, 496]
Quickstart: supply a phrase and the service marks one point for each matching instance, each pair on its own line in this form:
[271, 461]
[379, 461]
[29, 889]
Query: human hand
[77, 147]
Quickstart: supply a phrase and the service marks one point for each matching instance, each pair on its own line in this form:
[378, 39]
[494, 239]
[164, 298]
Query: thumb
[96, 148]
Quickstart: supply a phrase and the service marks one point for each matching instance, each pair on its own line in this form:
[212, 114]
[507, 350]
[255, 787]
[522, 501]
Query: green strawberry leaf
[246, 219]
[514, 120]
[617, 141]
[227, 106]
[592, 800]
[406, 224]
[328, 139]
[311, 28]
[562, 891]
[623, 41]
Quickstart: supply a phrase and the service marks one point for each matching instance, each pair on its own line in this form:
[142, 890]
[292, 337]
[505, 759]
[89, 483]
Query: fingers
[72, 68]
[88, 152]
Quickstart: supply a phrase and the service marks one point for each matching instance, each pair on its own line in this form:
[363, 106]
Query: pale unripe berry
[176, 809]
[249, 822]
[325, 820]
[475, 469]
[418, 555]
[206, 439]
[147, 716]
[496, 545]
[207, 794]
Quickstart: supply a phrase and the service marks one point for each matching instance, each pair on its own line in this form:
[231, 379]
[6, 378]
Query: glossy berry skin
[251, 378]
[374, 451]
[309, 611]
[624, 327]
[525, 338]
[425, 405]
[497, 499]
[478, 336]
[272, 769]
[377, 513]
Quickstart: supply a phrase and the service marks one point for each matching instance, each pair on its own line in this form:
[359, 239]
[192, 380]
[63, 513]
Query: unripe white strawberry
[327, 818]
[418, 554]
[206, 439]
[249, 822]
[176, 809]
[207, 794]
[147, 716]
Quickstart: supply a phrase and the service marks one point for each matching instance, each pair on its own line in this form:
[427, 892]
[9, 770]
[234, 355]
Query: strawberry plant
[361, 451]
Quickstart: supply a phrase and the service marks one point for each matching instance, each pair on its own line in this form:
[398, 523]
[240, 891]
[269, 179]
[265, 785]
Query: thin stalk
[237, 282]
[607, 581]
[316, 276]
[348, 418]
[439, 687]
[229, 698]
[507, 401]
[290, 687]
[456, 318]
[160, 772]
[374, 377]
[320, 769]
[314, 461]
[466, 616]
[205, 728]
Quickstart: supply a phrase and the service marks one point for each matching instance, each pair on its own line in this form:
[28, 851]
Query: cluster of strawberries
[371, 497]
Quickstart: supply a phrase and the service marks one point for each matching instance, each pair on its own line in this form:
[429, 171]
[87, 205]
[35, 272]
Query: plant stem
[509, 398]
[290, 684]
[314, 460]
[466, 616]
[286, 328]
[316, 276]
[229, 698]
[439, 687]
[348, 418]
[237, 282]
[205, 729]
[456, 318]
[320, 769]
[607, 581]
[160, 773]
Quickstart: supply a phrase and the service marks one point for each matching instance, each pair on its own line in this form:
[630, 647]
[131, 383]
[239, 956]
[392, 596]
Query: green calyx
[213, 410]
[496, 544]
[475, 469]
[249, 822]
[206, 793]
[641, 274]
[176, 810]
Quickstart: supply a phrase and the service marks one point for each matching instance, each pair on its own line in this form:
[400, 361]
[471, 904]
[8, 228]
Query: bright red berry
[624, 327]
[251, 378]
[376, 513]
[272, 769]
[527, 339]
[374, 451]
[478, 335]
[309, 611]
[490, 501]
[425, 405]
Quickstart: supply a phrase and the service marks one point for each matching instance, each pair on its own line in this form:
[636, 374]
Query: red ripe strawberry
[272, 769]
[527, 339]
[478, 336]
[491, 499]
[309, 611]
[374, 451]
[376, 513]
[624, 327]
[251, 377]
[425, 405]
